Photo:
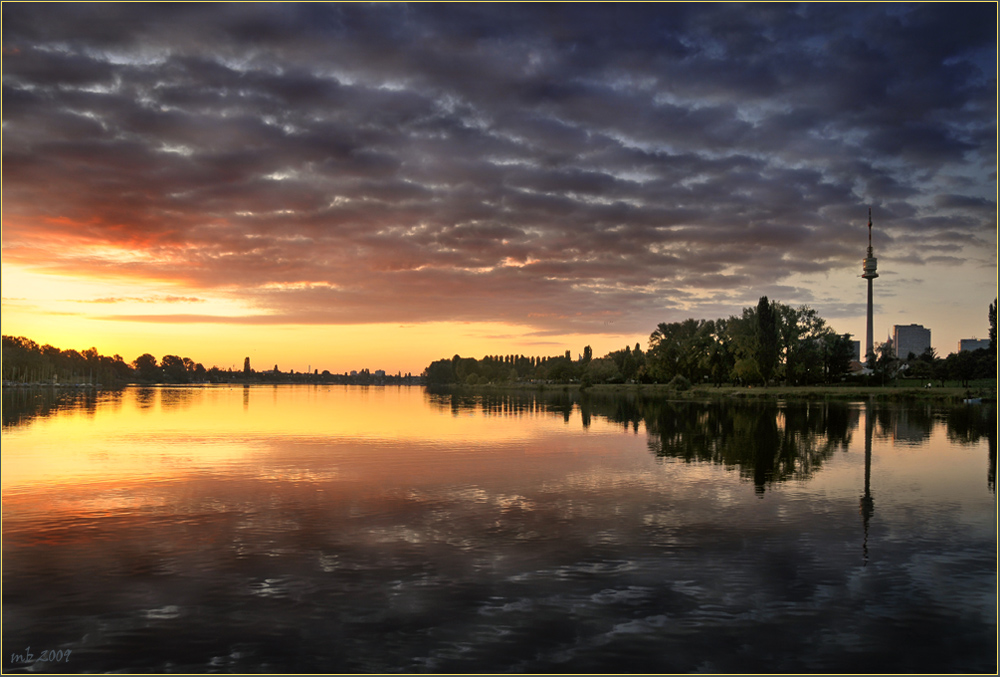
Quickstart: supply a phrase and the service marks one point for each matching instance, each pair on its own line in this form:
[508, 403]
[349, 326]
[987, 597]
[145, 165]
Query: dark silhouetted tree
[837, 354]
[886, 362]
[173, 369]
[681, 348]
[766, 332]
[993, 326]
[146, 368]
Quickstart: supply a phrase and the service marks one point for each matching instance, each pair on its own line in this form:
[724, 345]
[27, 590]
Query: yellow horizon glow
[62, 312]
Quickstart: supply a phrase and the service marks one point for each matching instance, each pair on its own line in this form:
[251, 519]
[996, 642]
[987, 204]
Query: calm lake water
[349, 529]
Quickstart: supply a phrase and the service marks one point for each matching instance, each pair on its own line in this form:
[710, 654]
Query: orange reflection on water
[282, 432]
[229, 462]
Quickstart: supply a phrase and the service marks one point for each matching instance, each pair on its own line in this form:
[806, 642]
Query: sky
[349, 186]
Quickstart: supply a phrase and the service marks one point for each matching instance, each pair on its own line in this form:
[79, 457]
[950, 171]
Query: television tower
[870, 265]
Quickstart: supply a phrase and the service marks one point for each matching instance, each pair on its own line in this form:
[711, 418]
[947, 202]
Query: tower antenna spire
[869, 231]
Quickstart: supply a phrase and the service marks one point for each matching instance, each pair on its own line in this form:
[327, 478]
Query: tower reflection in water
[867, 506]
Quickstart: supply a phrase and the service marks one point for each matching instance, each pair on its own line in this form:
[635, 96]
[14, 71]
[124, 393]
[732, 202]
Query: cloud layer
[562, 167]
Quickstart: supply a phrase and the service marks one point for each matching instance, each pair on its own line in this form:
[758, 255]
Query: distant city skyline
[355, 186]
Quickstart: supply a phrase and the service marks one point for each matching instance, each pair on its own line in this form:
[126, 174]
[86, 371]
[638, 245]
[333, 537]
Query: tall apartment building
[973, 344]
[910, 338]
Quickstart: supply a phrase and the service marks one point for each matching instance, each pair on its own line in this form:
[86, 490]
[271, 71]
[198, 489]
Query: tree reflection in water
[969, 424]
[765, 441]
[21, 406]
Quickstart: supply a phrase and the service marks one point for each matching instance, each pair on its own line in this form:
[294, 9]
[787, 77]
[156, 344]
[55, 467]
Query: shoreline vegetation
[983, 389]
[770, 351]
[27, 364]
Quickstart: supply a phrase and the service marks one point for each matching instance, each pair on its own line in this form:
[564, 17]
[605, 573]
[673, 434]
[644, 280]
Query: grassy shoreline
[987, 390]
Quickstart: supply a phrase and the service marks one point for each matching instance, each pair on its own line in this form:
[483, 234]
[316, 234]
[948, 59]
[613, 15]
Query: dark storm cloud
[552, 165]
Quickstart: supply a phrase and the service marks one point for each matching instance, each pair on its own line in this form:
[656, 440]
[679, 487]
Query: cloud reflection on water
[564, 548]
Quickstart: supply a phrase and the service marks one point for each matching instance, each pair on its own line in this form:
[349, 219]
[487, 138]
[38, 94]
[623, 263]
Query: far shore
[983, 390]
[978, 390]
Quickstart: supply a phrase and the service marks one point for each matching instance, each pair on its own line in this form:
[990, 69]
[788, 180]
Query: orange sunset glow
[350, 187]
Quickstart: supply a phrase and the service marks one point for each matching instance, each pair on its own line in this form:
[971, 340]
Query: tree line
[964, 366]
[26, 362]
[768, 343]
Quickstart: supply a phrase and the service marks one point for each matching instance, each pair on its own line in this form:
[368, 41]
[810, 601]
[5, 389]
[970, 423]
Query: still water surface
[349, 529]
